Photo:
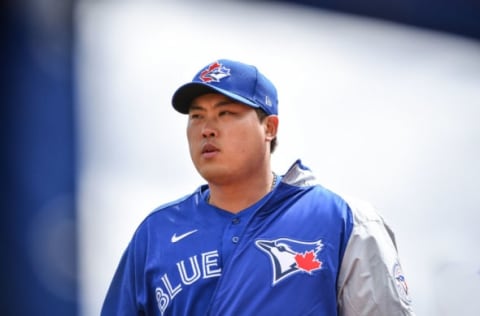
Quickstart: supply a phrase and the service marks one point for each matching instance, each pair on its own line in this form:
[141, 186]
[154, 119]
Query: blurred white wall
[381, 111]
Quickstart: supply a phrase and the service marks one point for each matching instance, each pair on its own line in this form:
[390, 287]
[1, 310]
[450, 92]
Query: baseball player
[249, 241]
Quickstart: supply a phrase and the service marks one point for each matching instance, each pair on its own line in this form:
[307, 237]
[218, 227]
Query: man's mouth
[209, 150]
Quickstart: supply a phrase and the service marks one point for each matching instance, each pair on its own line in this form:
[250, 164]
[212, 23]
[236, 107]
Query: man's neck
[239, 195]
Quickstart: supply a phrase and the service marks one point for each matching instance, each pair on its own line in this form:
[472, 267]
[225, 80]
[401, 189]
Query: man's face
[227, 141]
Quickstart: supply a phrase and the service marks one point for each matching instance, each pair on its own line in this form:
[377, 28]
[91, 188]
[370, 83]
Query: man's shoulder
[182, 207]
[363, 211]
[184, 203]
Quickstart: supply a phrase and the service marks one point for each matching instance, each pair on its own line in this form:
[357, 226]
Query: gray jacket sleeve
[371, 281]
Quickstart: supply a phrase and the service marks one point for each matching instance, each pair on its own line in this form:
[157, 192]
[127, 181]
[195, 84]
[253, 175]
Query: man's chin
[214, 174]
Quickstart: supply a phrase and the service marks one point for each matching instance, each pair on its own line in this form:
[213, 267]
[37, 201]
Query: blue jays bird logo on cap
[214, 73]
[290, 256]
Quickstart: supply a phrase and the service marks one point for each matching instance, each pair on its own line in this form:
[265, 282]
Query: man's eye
[225, 113]
[194, 116]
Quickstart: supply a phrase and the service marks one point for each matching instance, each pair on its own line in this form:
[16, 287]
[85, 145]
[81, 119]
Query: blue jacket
[300, 250]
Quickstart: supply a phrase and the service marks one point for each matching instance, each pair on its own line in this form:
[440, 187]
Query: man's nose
[209, 129]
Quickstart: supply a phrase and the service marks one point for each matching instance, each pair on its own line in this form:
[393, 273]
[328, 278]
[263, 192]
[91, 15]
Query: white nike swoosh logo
[176, 238]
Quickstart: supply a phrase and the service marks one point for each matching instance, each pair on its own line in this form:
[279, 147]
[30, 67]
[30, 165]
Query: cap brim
[183, 97]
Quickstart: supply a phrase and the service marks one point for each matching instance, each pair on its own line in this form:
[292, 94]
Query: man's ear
[271, 127]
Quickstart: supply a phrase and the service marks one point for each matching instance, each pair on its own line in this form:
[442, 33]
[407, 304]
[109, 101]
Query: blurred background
[380, 99]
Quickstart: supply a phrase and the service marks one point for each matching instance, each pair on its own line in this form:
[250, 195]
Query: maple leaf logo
[308, 261]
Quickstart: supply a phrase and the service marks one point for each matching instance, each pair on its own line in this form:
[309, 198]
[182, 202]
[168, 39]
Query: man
[251, 242]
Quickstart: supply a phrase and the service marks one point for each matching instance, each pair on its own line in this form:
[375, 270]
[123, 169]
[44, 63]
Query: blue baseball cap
[236, 80]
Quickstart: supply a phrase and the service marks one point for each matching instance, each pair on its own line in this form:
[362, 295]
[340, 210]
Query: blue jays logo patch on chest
[289, 256]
